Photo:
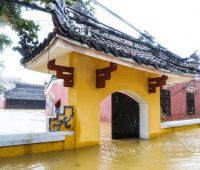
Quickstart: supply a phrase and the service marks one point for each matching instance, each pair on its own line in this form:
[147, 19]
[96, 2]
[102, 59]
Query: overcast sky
[174, 23]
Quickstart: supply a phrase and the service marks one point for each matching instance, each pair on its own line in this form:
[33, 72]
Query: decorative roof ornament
[194, 59]
[61, 13]
[27, 44]
[144, 38]
[80, 7]
[76, 24]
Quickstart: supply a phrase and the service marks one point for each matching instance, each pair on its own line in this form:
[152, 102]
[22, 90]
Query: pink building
[55, 91]
[181, 101]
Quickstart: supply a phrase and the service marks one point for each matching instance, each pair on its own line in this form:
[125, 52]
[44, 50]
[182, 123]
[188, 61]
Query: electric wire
[36, 7]
[123, 20]
[25, 4]
[181, 88]
[156, 45]
[28, 5]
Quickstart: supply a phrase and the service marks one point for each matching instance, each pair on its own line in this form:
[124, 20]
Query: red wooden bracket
[62, 72]
[156, 82]
[104, 74]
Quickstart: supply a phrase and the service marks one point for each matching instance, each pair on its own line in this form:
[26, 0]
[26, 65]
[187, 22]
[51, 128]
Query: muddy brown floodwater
[177, 151]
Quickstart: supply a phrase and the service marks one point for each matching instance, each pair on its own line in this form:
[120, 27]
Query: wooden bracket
[104, 74]
[156, 82]
[62, 72]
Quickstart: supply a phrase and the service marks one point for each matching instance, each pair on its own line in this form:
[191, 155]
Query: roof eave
[74, 46]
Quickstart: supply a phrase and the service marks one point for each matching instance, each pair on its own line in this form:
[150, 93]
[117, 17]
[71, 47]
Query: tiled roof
[75, 24]
[26, 92]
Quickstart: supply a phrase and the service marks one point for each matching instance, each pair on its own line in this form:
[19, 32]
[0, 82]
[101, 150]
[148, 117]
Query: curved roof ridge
[85, 29]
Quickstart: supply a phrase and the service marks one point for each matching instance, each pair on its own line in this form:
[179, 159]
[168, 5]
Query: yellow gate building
[95, 61]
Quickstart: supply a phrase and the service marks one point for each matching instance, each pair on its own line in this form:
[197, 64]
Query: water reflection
[176, 151]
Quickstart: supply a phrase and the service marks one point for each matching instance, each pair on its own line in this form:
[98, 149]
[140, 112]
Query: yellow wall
[86, 98]
[13, 151]
[164, 131]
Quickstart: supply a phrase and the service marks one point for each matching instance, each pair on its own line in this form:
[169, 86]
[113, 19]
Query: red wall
[197, 98]
[178, 101]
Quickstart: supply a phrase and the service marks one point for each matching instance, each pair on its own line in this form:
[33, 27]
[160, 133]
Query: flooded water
[177, 151]
[13, 121]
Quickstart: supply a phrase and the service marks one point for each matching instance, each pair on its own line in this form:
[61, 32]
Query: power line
[35, 7]
[123, 20]
[32, 6]
[181, 88]
[28, 5]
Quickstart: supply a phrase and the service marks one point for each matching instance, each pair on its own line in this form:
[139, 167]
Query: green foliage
[10, 15]
[1, 66]
[89, 6]
[2, 89]
[4, 41]
[68, 2]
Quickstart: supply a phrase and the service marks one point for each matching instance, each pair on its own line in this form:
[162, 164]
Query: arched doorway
[125, 116]
[131, 102]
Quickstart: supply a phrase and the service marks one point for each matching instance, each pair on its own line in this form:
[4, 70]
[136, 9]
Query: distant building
[24, 96]
[9, 82]
[180, 101]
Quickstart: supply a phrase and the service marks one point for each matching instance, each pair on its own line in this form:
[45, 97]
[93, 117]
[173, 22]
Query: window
[190, 103]
[165, 102]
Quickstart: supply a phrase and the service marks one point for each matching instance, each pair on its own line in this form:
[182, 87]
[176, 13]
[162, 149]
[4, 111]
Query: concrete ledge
[179, 123]
[29, 138]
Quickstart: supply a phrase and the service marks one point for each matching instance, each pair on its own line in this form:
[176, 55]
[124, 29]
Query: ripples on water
[177, 151]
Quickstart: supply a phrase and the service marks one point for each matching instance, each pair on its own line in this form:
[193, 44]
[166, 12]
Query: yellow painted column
[85, 98]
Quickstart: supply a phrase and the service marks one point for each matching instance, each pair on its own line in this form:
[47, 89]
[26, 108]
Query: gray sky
[174, 23]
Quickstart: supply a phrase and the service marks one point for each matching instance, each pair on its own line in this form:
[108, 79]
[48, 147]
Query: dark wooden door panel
[125, 117]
